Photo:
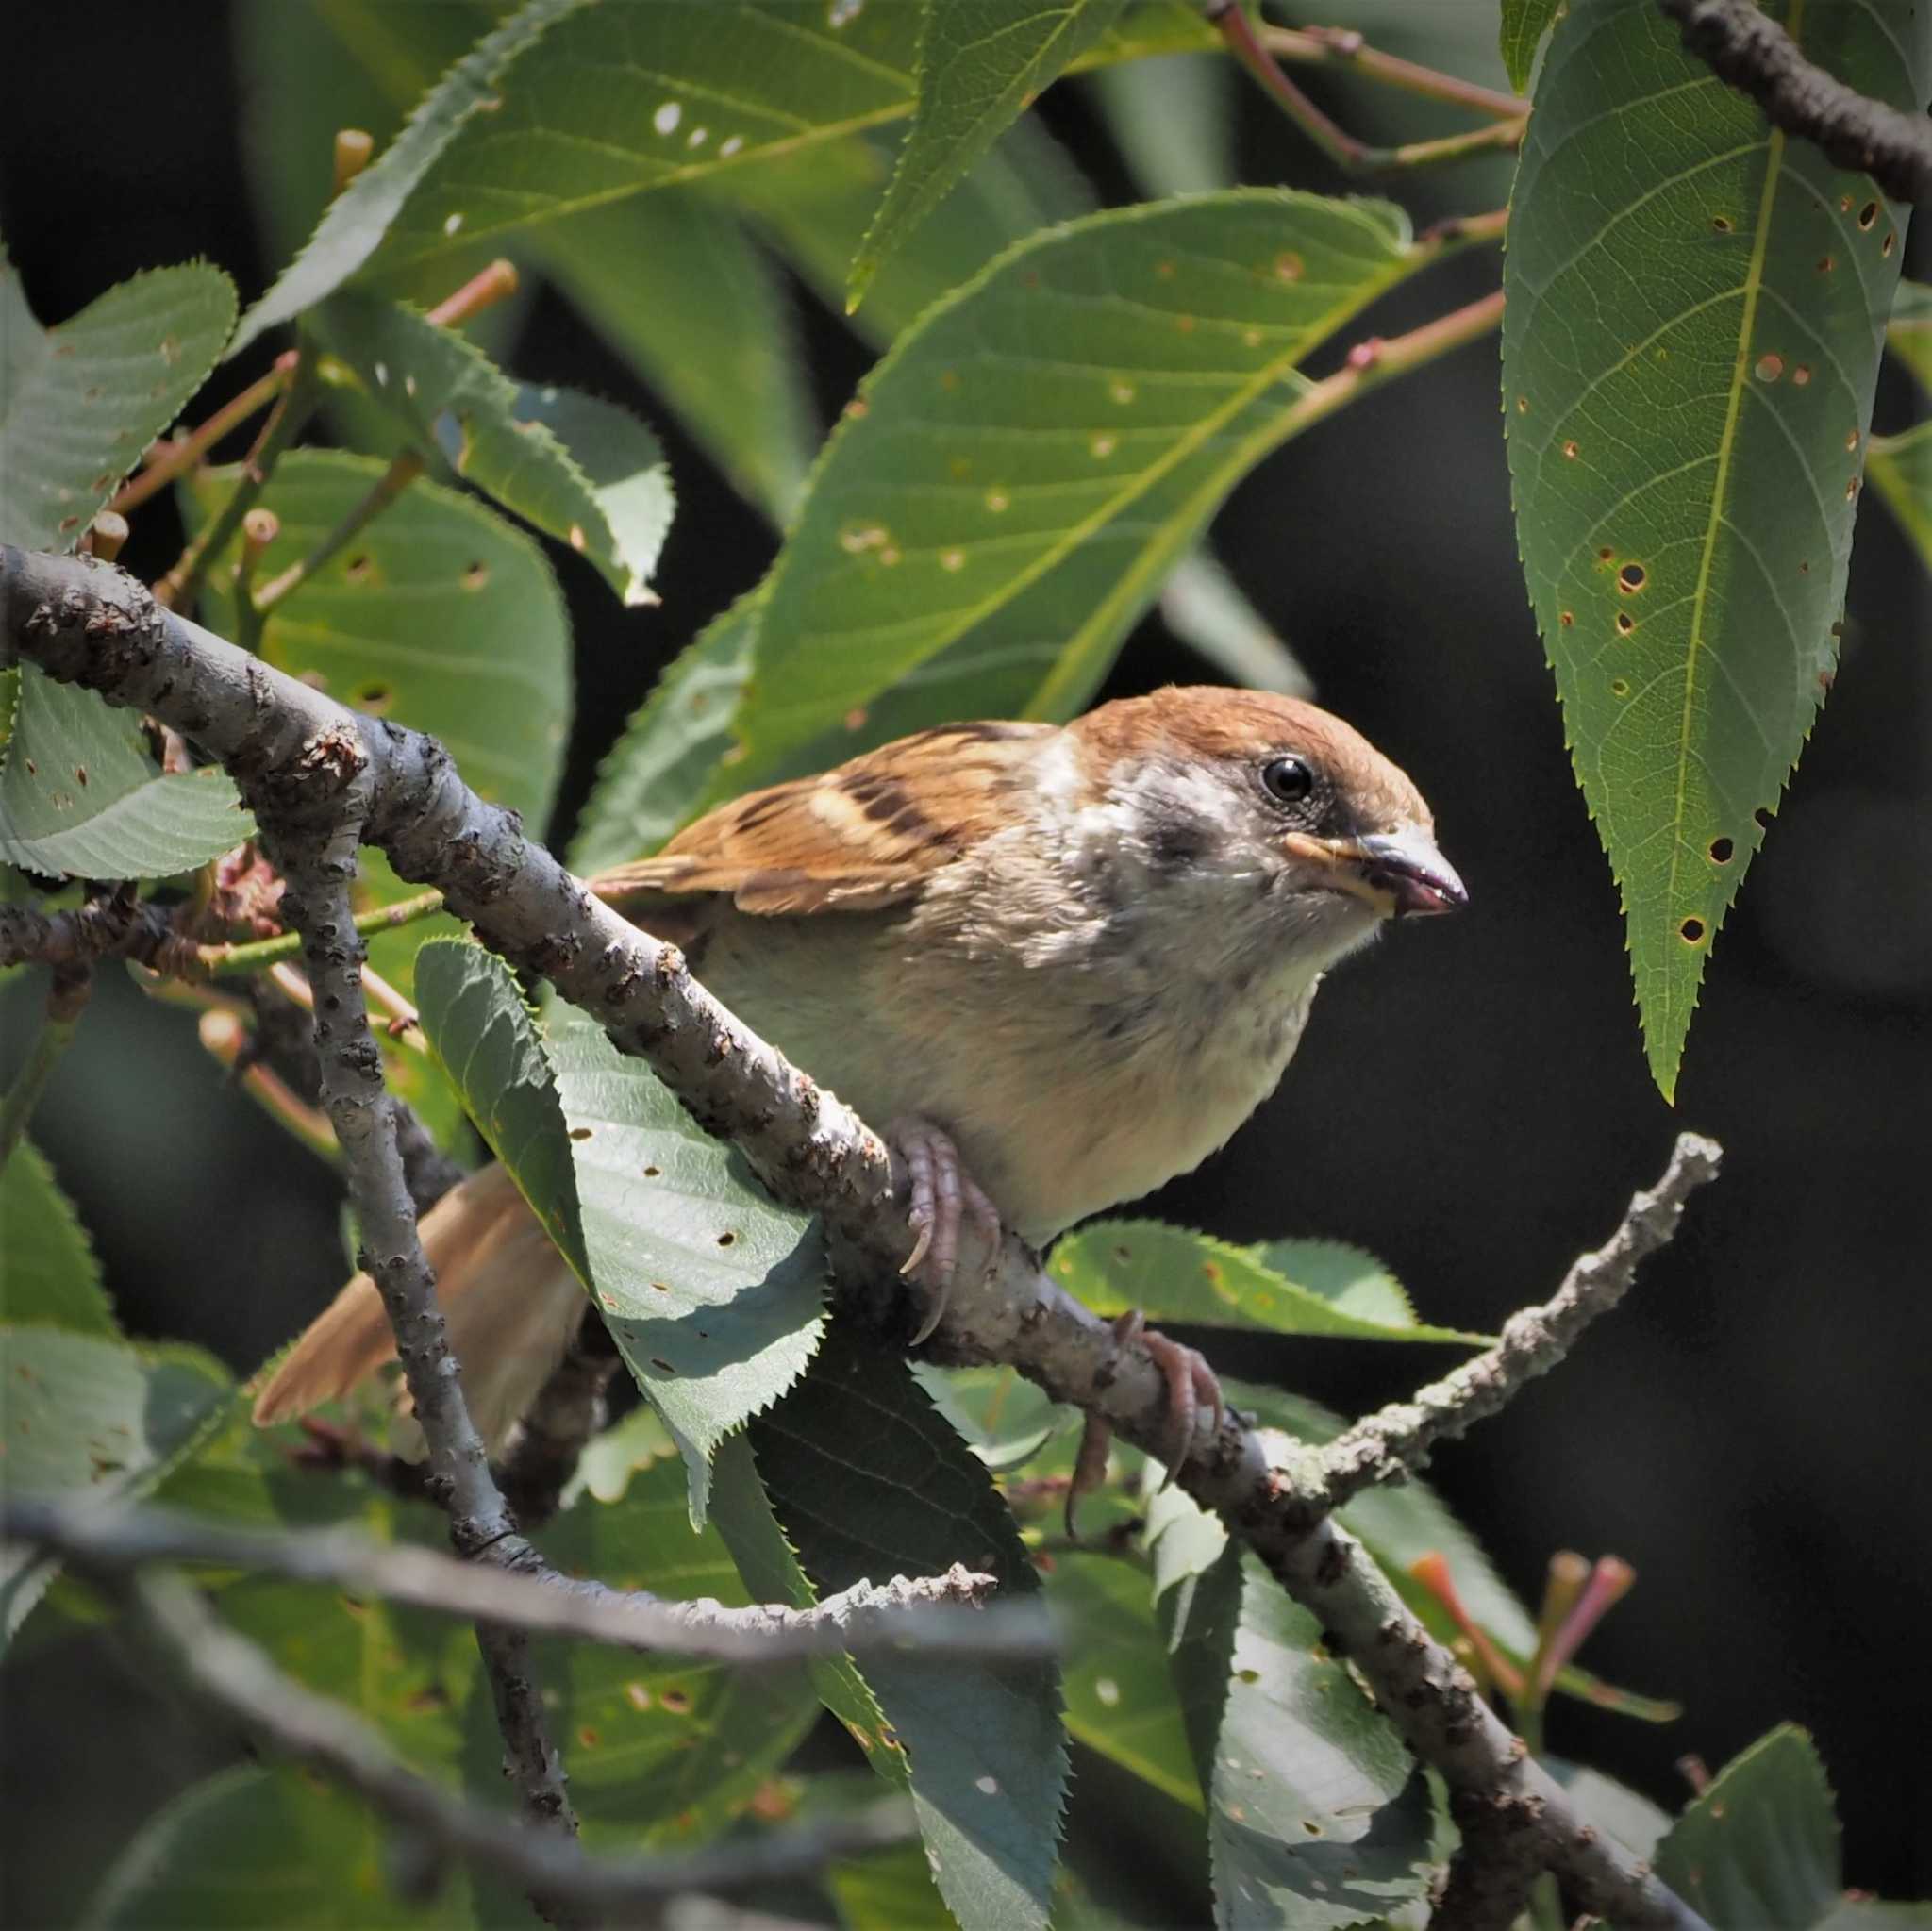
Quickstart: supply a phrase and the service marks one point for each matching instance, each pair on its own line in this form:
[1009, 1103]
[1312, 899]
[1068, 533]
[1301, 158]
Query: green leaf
[1209, 612]
[247, 1848]
[583, 472]
[1120, 1698]
[868, 1482]
[676, 101]
[1524, 23]
[1290, 1287]
[983, 493]
[439, 615]
[676, 287]
[81, 795]
[1901, 466]
[979, 64]
[997, 1413]
[1908, 333]
[1688, 354]
[1614, 1809]
[1317, 1816]
[1759, 1850]
[651, 777]
[354, 222]
[711, 1291]
[83, 1415]
[80, 401]
[49, 1276]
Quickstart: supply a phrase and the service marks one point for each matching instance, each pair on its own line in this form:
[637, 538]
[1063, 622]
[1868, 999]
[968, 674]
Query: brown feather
[859, 838]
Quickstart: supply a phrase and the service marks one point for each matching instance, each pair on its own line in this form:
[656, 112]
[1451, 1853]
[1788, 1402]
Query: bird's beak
[1400, 872]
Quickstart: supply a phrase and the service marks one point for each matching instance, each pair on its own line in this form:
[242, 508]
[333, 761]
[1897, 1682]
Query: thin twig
[937, 1615]
[1748, 50]
[238, 961]
[1351, 156]
[87, 623]
[1334, 47]
[236, 1677]
[60, 1020]
[171, 458]
[310, 832]
[179, 588]
[1396, 1441]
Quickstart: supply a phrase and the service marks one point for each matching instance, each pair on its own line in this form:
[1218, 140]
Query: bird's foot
[1191, 1385]
[944, 1197]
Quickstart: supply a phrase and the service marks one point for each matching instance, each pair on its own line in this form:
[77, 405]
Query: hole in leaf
[1769, 368]
[1631, 578]
[1626, 622]
[1868, 214]
[1522, 404]
[652, 1173]
[1851, 439]
[580, 1133]
[371, 697]
[1566, 618]
[80, 773]
[476, 577]
[1692, 931]
[1722, 223]
[659, 1361]
[1620, 687]
[1890, 242]
[1606, 554]
[1721, 850]
[726, 1240]
[1570, 450]
[357, 568]
[676, 1701]
[1801, 374]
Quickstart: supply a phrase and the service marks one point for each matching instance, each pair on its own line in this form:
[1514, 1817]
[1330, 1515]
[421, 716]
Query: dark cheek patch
[1176, 842]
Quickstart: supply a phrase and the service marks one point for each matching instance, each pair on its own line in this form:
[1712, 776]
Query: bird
[1062, 964]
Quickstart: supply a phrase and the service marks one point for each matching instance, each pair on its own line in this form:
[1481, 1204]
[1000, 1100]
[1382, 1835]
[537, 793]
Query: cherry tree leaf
[51, 1277]
[1695, 306]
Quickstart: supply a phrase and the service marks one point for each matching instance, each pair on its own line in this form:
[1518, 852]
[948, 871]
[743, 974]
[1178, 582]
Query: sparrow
[1064, 963]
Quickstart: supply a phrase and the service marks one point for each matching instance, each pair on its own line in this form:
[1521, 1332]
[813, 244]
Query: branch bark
[941, 1615]
[235, 1678]
[1751, 51]
[88, 624]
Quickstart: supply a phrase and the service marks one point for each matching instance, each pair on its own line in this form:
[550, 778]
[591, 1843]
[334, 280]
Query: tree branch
[88, 624]
[1751, 51]
[229, 1673]
[942, 1615]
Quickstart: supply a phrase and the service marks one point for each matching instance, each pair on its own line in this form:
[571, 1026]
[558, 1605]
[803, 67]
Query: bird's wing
[858, 839]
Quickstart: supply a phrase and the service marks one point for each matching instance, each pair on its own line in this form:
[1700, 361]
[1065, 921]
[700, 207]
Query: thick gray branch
[940, 1615]
[237, 1678]
[88, 624]
[1751, 51]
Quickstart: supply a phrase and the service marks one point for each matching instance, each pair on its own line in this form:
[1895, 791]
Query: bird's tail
[510, 1299]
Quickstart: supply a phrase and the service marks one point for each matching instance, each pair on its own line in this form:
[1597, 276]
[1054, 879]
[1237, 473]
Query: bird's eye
[1289, 780]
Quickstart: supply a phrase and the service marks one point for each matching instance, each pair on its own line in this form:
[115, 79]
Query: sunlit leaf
[583, 472]
[978, 66]
[1317, 1814]
[711, 1291]
[1524, 23]
[1289, 1286]
[1908, 333]
[981, 492]
[439, 615]
[1696, 302]
[355, 224]
[80, 401]
[1901, 467]
[81, 794]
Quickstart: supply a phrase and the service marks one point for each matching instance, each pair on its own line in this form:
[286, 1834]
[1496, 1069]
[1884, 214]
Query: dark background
[1752, 1430]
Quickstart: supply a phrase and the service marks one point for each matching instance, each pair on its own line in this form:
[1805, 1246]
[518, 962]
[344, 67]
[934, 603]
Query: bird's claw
[944, 1196]
[1191, 1385]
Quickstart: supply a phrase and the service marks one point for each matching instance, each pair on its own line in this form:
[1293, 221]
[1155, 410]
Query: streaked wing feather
[858, 839]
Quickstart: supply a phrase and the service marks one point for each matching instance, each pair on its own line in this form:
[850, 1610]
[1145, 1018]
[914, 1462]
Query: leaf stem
[173, 458]
[239, 961]
[227, 1040]
[483, 290]
[403, 471]
[177, 590]
[1334, 47]
[66, 1001]
[1351, 156]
